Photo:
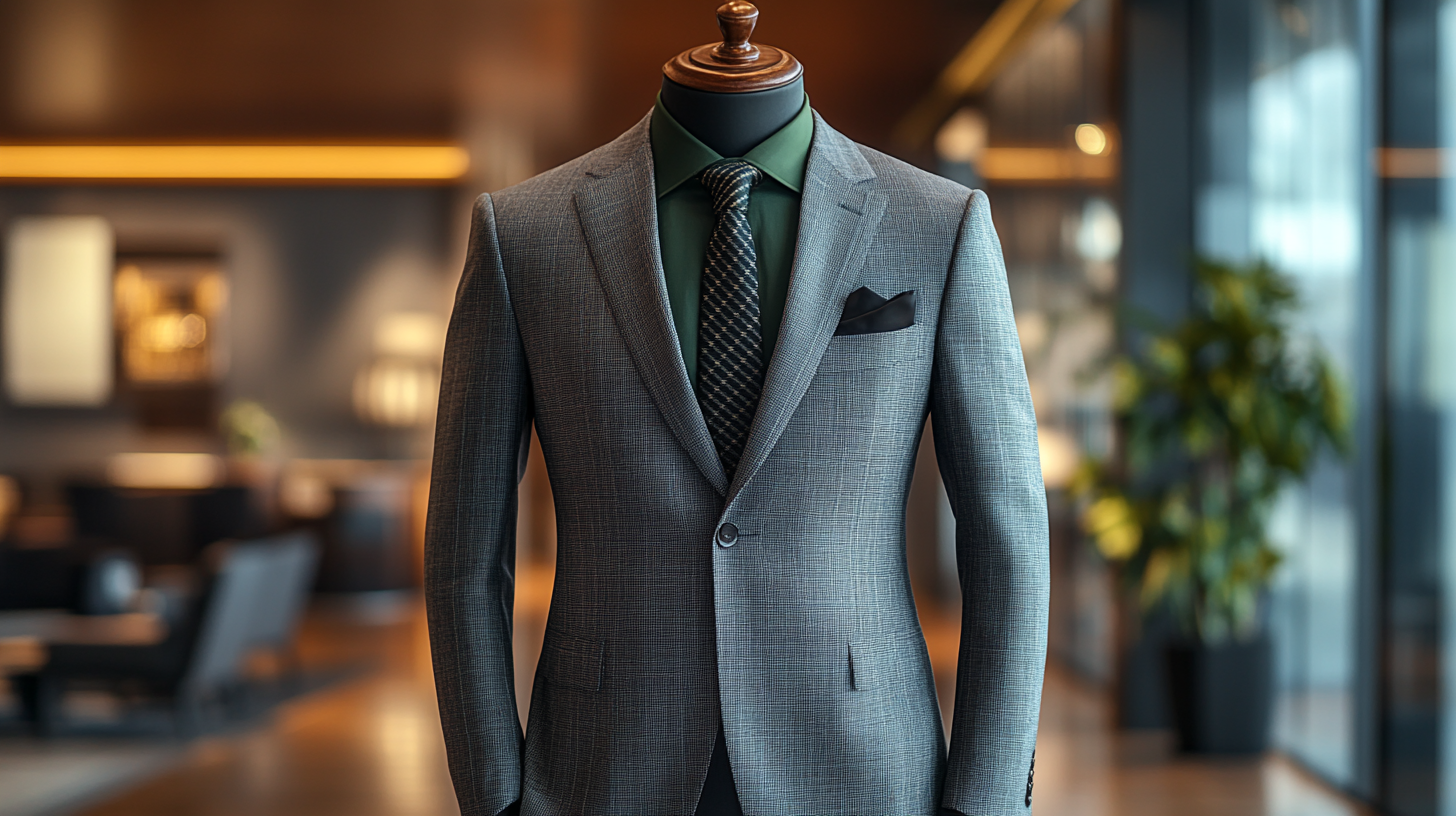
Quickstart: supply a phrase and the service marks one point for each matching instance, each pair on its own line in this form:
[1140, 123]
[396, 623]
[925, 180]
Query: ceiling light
[397, 163]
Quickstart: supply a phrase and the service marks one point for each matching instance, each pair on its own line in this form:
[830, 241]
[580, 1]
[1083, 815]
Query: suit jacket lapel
[618, 210]
[839, 213]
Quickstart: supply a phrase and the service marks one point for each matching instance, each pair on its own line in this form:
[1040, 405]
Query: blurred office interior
[231, 233]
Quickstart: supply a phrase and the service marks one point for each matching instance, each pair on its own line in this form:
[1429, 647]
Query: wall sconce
[396, 393]
[402, 386]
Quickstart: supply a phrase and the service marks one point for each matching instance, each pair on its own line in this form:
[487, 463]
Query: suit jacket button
[727, 535]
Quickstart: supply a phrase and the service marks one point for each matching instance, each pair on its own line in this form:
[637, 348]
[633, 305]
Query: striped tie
[730, 340]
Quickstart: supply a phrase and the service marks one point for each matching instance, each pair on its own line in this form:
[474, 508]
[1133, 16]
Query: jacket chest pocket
[866, 352]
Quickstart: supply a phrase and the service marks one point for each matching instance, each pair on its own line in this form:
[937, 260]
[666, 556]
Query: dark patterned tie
[730, 340]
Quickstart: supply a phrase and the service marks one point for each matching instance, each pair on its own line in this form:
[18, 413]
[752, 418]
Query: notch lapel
[617, 206]
[839, 213]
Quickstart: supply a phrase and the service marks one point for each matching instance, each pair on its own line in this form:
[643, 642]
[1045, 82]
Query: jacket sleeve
[986, 446]
[470, 533]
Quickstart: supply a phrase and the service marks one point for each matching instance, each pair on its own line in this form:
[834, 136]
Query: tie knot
[729, 182]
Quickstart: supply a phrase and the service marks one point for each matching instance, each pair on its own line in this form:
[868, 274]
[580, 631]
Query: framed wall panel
[57, 311]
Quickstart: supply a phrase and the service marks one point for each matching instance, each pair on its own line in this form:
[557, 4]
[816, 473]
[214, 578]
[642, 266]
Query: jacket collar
[838, 217]
[840, 212]
[678, 156]
[617, 206]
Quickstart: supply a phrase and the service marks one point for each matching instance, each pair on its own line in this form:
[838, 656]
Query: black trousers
[720, 795]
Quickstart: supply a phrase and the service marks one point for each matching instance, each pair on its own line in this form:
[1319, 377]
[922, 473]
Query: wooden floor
[373, 747]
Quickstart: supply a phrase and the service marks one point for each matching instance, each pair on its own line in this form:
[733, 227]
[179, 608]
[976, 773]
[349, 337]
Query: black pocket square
[867, 313]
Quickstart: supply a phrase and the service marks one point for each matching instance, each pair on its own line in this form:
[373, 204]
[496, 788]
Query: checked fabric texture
[730, 338]
[802, 638]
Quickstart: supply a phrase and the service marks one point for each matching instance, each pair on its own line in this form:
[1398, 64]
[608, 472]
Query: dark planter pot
[1221, 695]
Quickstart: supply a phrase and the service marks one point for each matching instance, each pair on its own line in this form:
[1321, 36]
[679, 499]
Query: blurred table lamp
[176, 471]
[400, 387]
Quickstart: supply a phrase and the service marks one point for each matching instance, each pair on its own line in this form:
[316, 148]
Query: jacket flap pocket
[880, 662]
[865, 666]
[575, 662]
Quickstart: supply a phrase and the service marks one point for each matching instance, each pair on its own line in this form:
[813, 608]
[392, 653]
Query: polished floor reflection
[372, 747]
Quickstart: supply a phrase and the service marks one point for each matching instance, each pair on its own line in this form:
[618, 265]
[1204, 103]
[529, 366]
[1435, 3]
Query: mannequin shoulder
[543, 191]
[900, 179]
[547, 191]
[932, 206]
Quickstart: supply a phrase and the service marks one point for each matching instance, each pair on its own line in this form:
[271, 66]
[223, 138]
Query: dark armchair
[253, 597]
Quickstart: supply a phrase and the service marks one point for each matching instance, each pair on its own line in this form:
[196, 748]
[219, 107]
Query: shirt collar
[679, 156]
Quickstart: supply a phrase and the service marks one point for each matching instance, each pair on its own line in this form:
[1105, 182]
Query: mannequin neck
[732, 123]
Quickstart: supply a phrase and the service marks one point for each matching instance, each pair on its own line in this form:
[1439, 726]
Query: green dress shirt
[685, 220]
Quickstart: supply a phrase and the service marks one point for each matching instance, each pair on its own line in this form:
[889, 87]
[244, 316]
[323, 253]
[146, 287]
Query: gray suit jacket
[803, 634]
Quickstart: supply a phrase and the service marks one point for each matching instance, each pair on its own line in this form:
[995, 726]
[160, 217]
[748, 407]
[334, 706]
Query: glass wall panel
[1282, 170]
[1307, 170]
[1420, 211]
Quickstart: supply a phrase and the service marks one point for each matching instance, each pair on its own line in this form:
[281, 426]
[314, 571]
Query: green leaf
[1217, 415]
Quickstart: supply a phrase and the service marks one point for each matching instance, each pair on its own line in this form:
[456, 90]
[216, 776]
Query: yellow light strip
[427, 163]
[1414, 162]
[1011, 165]
[995, 43]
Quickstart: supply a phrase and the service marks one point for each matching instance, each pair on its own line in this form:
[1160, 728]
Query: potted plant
[1217, 414]
[251, 435]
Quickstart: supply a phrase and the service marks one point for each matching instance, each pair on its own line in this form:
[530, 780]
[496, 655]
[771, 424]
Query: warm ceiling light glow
[234, 162]
[1014, 165]
[1091, 140]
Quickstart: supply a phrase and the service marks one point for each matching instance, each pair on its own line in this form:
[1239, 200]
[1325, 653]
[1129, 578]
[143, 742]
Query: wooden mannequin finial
[736, 20]
[734, 65]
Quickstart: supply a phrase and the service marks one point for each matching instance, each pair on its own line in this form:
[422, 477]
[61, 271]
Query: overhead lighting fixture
[283, 163]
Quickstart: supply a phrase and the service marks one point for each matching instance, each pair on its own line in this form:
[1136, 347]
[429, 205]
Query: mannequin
[731, 627]
[732, 123]
[734, 94]
[731, 96]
